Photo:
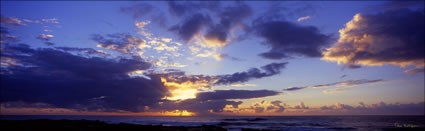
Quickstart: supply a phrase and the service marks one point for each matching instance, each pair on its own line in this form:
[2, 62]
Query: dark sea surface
[233, 123]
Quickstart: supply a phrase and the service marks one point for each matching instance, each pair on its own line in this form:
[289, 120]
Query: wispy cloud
[11, 21]
[303, 18]
[347, 83]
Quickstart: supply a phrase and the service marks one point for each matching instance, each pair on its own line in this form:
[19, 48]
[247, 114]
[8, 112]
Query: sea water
[236, 123]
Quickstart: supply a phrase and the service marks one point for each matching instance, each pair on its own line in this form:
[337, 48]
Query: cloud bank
[369, 41]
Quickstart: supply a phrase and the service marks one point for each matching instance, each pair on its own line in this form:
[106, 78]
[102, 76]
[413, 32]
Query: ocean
[237, 123]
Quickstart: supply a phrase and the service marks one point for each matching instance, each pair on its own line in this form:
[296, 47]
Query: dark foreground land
[89, 125]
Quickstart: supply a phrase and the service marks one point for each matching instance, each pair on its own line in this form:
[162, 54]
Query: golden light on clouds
[359, 45]
[184, 90]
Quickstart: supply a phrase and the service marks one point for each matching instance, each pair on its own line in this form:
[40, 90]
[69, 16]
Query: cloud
[253, 73]
[301, 106]
[368, 41]
[279, 108]
[414, 71]
[179, 8]
[144, 10]
[182, 86]
[202, 28]
[191, 26]
[338, 84]
[4, 20]
[288, 39]
[120, 42]
[64, 80]
[213, 102]
[226, 79]
[303, 18]
[222, 56]
[273, 55]
[197, 106]
[45, 38]
[230, 17]
[294, 88]
[336, 90]
[83, 79]
[57, 78]
[5, 35]
[380, 108]
[235, 94]
[88, 51]
[264, 107]
[42, 21]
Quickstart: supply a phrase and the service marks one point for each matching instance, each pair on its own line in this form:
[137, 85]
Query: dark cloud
[191, 26]
[179, 8]
[65, 80]
[49, 43]
[273, 55]
[288, 39]
[121, 42]
[235, 94]
[253, 73]
[208, 81]
[369, 41]
[181, 77]
[56, 78]
[294, 88]
[339, 84]
[229, 18]
[214, 101]
[5, 35]
[4, 20]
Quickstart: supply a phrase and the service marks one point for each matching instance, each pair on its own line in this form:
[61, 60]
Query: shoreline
[85, 125]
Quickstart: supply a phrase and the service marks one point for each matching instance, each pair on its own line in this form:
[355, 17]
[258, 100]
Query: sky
[191, 58]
